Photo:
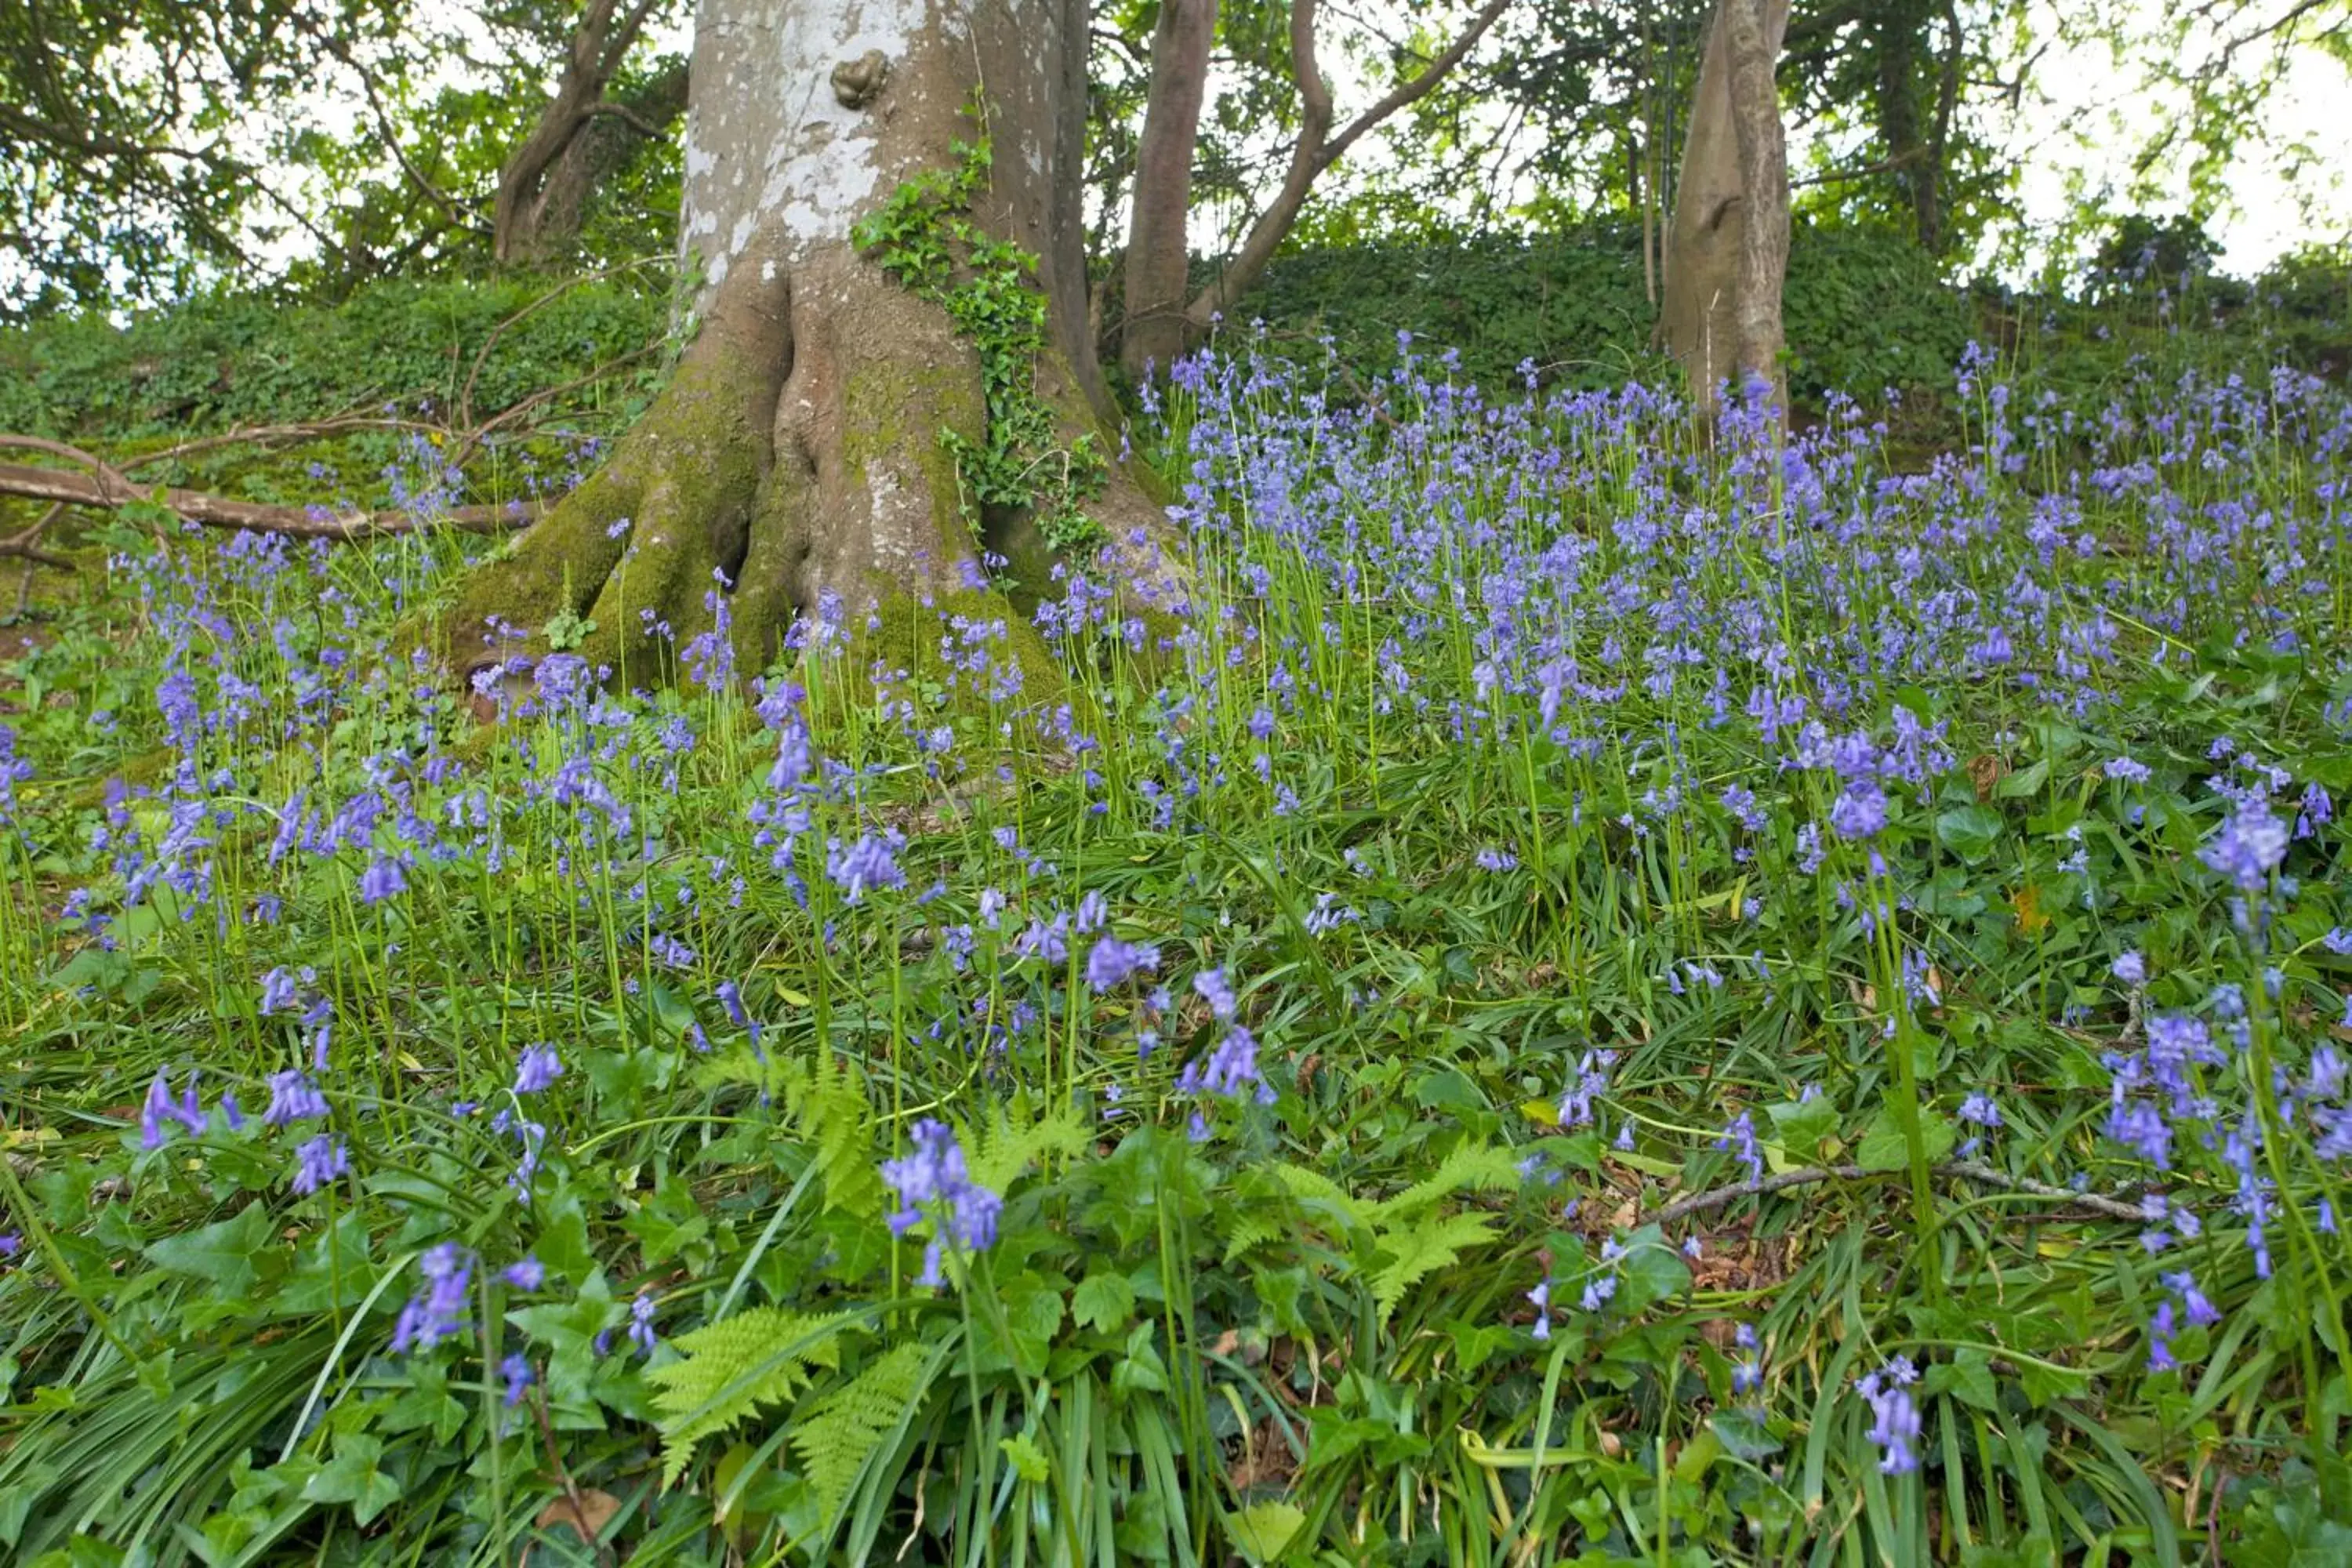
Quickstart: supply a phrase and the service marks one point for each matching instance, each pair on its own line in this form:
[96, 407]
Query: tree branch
[1311, 154]
[107, 489]
[1959, 1169]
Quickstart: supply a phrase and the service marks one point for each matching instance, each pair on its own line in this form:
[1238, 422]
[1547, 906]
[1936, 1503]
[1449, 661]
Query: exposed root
[793, 467]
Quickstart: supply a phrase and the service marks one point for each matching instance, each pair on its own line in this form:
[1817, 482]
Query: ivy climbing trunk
[890, 377]
[1727, 245]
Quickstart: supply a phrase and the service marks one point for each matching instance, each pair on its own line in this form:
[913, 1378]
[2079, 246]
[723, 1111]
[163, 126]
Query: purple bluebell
[1894, 1418]
[1113, 962]
[539, 1068]
[319, 1162]
[437, 1312]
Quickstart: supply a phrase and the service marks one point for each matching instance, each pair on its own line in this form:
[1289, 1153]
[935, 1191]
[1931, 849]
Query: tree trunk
[1153, 330]
[1728, 242]
[795, 464]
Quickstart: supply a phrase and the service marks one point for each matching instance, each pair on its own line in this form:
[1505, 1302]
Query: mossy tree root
[794, 467]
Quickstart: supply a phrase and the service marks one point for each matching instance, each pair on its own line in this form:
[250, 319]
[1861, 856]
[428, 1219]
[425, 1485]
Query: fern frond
[828, 1109]
[1431, 1244]
[841, 1429]
[1000, 1146]
[1315, 1187]
[1470, 1168]
[731, 1367]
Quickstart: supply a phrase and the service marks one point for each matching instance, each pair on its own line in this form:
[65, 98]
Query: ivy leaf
[1969, 831]
[352, 1477]
[222, 1253]
[1262, 1530]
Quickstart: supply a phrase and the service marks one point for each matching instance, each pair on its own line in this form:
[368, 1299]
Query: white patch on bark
[789, 149]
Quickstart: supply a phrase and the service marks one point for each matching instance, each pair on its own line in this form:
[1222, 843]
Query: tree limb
[1959, 1169]
[107, 489]
[1311, 154]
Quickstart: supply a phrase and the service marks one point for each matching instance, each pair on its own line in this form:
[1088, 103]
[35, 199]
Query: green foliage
[1865, 310]
[731, 1367]
[843, 1429]
[1524, 926]
[924, 236]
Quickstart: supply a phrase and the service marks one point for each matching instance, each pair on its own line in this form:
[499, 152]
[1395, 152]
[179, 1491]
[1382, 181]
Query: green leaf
[729, 1368]
[1804, 1124]
[1104, 1302]
[1743, 1436]
[1262, 1530]
[221, 1253]
[1968, 1377]
[1971, 832]
[1883, 1147]
[1028, 1460]
[352, 1477]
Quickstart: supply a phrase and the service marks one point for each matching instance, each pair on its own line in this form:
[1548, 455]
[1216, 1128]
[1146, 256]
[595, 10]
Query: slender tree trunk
[1727, 245]
[1153, 330]
[546, 228]
[599, 43]
[794, 465]
[1318, 147]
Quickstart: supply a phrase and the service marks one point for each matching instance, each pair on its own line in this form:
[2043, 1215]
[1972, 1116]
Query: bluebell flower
[1894, 1418]
[292, 1098]
[539, 1068]
[1540, 1299]
[516, 1370]
[2130, 968]
[436, 1312]
[161, 1109]
[641, 1324]
[526, 1273]
[1113, 962]
[318, 1162]
[2249, 847]
[1740, 1139]
[931, 1182]
[1211, 988]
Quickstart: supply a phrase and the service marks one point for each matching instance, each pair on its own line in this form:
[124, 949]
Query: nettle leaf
[226, 1253]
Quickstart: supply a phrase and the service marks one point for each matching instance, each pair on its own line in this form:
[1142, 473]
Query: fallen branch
[25, 545]
[1959, 1169]
[106, 489]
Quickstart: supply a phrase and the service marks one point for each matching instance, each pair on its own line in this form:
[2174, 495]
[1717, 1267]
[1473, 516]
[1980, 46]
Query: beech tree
[890, 374]
[1727, 244]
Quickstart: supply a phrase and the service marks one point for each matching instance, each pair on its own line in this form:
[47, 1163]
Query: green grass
[1453, 769]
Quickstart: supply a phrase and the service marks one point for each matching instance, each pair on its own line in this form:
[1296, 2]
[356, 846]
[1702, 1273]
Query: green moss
[689, 462]
[906, 631]
[881, 397]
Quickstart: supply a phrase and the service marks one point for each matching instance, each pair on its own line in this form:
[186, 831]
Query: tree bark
[1153, 330]
[1728, 241]
[794, 467]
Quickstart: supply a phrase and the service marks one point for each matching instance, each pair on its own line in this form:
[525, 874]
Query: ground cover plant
[1583, 994]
